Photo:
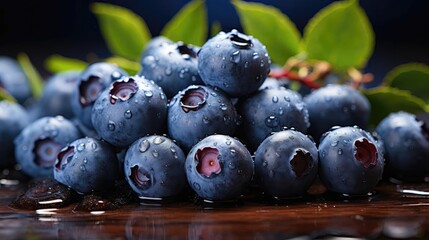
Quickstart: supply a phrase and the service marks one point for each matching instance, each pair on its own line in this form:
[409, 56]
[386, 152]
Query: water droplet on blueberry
[144, 146]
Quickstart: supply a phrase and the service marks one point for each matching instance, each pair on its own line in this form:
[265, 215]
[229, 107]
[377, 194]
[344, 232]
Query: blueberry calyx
[300, 161]
[240, 40]
[89, 90]
[140, 177]
[193, 98]
[46, 151]
[208, 162]
[186, 52]
[365, 152]
[123, 90]
[64, 157]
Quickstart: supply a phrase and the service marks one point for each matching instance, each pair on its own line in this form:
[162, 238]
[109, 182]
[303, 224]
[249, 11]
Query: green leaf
[413, 77]
[5, 96]
[215, 28]
[131, 67]
[189, 24]
[125, 32]
[340, 34]
[385, 100]
[270, 26]
[34, 78]
[57, 63]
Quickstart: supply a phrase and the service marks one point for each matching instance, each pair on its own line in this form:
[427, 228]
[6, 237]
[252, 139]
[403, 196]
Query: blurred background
[42, 28]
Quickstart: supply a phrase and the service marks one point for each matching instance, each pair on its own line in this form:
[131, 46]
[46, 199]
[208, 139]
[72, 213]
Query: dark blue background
[42, 28]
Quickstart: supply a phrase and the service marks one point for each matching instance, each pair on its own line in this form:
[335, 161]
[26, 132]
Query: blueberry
[351, 161]
[38, 144]
[155, 167]
[13, 79]
[57, 94]
[286, 164]
[234, 62]
[219, 167]
[336, 105]
[92, 81]
[13, 118]
[87, 165]
[274, 83]
[200, 111]
[271, 110]
[406, 144]
[172, 66]
[129, 109]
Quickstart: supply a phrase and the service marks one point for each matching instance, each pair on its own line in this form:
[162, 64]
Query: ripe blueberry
[336, 105]
[128, 109]
[234, 62]
[271, 110]
[13, 79]
[219, 167]
[197, 112]
[406, 144]
[155, 167]
[350, 161]
[87, 165]
[286, 164]
[38, 144]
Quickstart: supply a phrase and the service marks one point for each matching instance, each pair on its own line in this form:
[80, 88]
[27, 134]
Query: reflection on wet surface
[392, 211]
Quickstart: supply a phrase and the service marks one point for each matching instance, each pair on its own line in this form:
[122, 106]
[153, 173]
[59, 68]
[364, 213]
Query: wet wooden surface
[393, 211]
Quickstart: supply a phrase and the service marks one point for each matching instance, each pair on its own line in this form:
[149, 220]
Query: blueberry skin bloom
[92, 81]
[13, 118]
[200, 111]
[351, 161]
[406, 145]
[87, 165]
[172, 66]
[219, 167]
[57, 94]
[336, 105]
[38, 144]
[271, 110]
[155, 167]
[286, 164]
[129, 109]
[13, 79]
[234, 62]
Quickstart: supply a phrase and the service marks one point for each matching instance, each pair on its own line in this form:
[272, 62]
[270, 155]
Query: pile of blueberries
[192, 118]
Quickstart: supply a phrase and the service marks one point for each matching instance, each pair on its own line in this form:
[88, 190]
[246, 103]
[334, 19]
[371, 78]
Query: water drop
[168, 71]
[334, 143]
[94, 145]
[148, 93]
[158, 140]
[206, 120]
[144, 146]
[155, 153]
[182, 73]
[235, 57]
[193, 78]
[261, 64]
[265, 164]
[81, 147]
[173, 150]
[340, 151]
[196, 186]
[228, 141]
[272, 121]
[128, 114]
[111, 126]
[82, 168]
[223, 107]
[255, 55]
[287, 99]
[85, 160]
[233, 152]
[275, 99]
[231, 165]
[217, 45]
[246, 64]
